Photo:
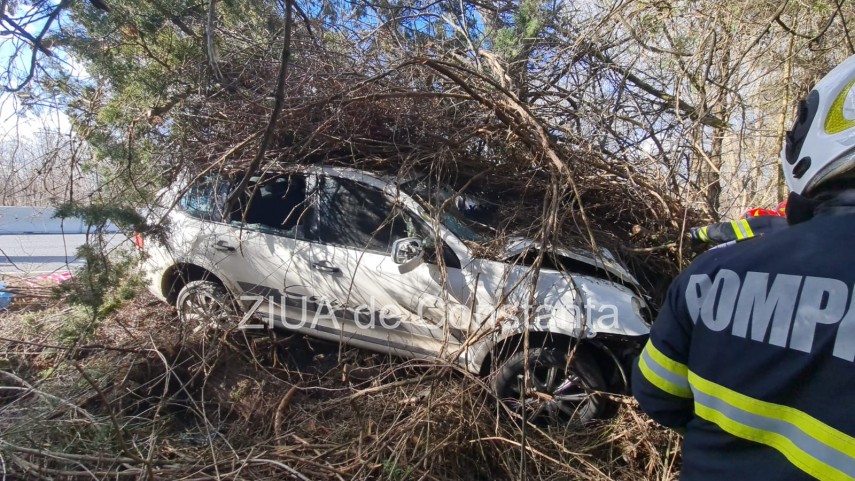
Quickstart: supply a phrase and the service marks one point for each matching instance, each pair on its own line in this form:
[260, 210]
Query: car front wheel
[557, 392]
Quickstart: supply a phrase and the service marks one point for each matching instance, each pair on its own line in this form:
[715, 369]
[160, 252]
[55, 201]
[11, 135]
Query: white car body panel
[459, 317]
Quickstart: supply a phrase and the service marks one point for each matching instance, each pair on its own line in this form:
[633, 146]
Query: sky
[13, 125]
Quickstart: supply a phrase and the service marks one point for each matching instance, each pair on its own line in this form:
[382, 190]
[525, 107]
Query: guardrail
[39, 220]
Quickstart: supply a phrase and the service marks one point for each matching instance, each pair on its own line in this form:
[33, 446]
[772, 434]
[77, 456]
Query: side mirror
[408, 253]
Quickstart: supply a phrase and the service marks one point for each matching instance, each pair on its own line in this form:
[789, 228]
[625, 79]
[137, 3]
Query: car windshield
[469, 217]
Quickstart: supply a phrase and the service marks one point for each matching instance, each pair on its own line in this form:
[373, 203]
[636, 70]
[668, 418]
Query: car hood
[603, 260]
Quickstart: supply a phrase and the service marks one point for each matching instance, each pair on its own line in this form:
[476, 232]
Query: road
[27, 254]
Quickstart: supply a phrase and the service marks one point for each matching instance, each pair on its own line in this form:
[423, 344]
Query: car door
[434, 296]
[356, 226]
[262, 249]
[202, 235]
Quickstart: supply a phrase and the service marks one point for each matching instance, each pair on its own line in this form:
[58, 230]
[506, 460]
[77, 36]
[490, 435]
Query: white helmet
[821, 144]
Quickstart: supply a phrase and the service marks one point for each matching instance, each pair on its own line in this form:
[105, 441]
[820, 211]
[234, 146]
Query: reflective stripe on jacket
[753, 356]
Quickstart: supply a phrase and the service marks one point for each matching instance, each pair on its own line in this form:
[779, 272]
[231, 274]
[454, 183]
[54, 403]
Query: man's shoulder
[754, 253]
[803, 249]
[725, 255]
[771, 222]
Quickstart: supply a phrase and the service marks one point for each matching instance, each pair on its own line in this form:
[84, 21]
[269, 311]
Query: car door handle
[222, 245]
[325, 266]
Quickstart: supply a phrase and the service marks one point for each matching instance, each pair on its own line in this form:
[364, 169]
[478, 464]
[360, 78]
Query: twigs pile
[153, 402]
[437, 116]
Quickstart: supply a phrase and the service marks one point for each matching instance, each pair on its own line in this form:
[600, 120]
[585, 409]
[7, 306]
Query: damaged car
[398, 267]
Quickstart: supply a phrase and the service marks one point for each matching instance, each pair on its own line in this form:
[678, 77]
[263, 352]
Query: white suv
[397, 267]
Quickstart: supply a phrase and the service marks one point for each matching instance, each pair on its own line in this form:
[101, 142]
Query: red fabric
[758, 212]
[780, 211]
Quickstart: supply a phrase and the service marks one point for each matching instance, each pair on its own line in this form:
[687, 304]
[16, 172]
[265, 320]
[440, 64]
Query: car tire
[205, 305]
[559, 393]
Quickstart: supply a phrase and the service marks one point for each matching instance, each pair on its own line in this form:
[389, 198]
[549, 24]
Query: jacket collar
[838, 202]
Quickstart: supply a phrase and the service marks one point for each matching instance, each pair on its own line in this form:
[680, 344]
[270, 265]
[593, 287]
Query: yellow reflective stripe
[736, 230]
[677, 368]
[799, 458]
[661, 382]
[703, 234]
[810, 425]
[835, 121]
[747, 227]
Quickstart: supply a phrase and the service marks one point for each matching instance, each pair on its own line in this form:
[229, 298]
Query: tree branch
[695, 114]
[173, 18]
[274, 116]
[37, 45]
[209, 37]
[27, 35]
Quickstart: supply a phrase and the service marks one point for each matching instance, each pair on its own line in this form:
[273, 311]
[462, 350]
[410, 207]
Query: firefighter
[752, 356]
[755, 222]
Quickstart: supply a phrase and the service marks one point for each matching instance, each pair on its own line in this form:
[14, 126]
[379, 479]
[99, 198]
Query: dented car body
[353, 257]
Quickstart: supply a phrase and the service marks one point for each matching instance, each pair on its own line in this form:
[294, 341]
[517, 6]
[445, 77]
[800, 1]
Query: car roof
[362, 175]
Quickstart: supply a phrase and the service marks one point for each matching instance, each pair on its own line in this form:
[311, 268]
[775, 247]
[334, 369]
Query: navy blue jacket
[752, 355]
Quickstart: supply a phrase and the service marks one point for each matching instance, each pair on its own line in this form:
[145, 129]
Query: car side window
[355, 215]
[275, 205]
[206, 198]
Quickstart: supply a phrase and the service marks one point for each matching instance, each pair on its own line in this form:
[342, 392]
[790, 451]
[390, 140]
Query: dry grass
[140, 399]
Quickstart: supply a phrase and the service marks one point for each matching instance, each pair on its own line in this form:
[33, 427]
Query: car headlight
[640, 308]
